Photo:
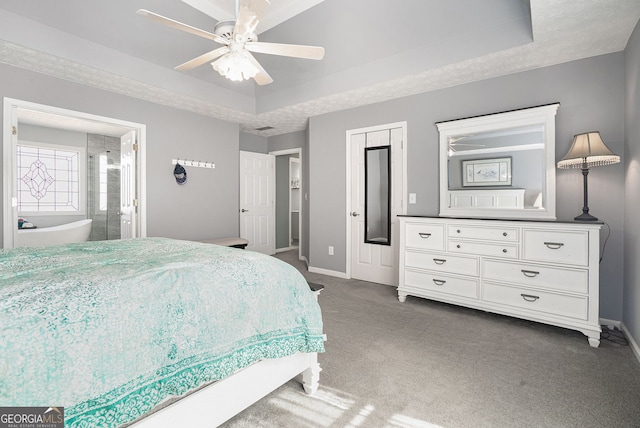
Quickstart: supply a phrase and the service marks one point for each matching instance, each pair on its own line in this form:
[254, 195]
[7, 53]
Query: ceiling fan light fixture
[235, 66]
[233, 59]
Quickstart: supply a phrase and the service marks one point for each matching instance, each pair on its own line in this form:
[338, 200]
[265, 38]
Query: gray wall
[292, 140]
[631, 297]
[253, 143]
[591, 93]
[205, 207]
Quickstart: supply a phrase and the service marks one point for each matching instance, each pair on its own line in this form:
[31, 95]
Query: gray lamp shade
[588, 150]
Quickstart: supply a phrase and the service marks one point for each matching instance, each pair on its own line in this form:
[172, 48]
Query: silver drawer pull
[529, 297]
[439, 281]
[530, 273]
[424, 235]
[553, 245]
[439, 261]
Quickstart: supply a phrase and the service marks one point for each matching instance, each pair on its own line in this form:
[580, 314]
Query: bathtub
[78, 231]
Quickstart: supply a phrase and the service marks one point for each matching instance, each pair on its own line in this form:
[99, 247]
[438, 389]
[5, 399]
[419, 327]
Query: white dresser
[540, 271]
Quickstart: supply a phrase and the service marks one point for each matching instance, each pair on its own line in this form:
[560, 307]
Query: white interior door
[257, 201]
[128, 185]
[375, 262]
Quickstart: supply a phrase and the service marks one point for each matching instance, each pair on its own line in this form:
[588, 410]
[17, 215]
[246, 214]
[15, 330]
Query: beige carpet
[428, 364]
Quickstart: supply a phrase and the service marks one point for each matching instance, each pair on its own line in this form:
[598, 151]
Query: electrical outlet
[412, 198]
[330, 250]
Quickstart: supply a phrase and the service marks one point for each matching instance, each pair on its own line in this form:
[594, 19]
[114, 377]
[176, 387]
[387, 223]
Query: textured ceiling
[279, 10]
[375, 51]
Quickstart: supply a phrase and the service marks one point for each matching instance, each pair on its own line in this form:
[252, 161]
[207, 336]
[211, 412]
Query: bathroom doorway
[104, 181]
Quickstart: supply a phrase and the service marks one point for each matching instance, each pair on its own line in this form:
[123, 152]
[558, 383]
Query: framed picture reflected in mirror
[486, 172]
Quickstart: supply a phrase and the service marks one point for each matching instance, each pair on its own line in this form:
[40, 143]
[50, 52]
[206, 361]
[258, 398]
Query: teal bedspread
[110, 329]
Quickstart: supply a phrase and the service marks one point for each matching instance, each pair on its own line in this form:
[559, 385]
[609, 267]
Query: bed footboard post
[311, 378]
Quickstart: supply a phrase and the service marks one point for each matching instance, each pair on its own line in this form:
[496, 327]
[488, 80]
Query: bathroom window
[50, 179]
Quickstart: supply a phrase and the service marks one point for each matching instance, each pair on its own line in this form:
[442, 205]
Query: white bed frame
[213, 405]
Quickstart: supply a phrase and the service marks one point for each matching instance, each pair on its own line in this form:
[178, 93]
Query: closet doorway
[289, 200]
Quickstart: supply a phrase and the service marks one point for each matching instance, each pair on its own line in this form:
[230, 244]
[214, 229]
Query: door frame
[302, 199]
[9, 142]
[403, 205]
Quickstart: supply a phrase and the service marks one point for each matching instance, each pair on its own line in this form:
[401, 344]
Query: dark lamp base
[585, 217]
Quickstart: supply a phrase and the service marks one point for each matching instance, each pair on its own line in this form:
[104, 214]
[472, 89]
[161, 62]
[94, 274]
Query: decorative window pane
[49, 179]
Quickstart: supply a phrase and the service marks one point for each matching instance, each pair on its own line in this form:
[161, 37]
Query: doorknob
[354, 214]
[244, 211]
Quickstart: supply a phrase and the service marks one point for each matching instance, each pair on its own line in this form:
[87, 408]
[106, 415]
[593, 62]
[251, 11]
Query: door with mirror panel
[376, 200]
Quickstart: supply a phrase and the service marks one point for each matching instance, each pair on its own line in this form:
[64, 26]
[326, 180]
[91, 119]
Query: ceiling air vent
[264, 128]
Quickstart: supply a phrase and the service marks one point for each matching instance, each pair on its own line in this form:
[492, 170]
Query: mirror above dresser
[499, 166]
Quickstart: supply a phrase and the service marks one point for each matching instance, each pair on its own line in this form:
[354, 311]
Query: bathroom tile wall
[106, 223]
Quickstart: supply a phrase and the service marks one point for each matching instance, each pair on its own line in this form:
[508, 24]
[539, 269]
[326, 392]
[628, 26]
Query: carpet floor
[427, 364]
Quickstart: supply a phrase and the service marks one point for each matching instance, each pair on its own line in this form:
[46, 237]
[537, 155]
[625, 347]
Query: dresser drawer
[509, 251]
[554, 278]
[426, 236]
[442, 262]
[441, 283]
[505, 234]
[556, 246]
[535, 300]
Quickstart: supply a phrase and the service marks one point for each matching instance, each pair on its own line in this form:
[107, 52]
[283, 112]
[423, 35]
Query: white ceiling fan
[453, 142]
[234, 59]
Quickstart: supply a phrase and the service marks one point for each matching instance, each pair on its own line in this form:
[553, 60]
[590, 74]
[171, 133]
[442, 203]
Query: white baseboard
[632, 343]
[304, 259]
[328, 272]
[282, 250]
[610, 323]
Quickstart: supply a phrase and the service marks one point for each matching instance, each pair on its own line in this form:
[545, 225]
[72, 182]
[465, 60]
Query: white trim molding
[328, 272]
[632, 343]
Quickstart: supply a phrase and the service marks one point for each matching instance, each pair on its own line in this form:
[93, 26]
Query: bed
[113, 330]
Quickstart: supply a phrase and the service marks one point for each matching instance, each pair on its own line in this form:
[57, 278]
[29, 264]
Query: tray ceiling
[375, 51]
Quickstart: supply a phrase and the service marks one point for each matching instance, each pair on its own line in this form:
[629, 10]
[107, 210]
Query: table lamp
[588, 150]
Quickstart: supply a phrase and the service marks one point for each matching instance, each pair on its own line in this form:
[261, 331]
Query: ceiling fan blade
[182, 27]
[295, 51]
[262, 78]
[249, 14]
[202, 59]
